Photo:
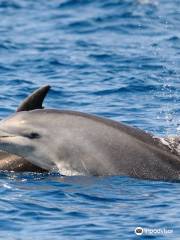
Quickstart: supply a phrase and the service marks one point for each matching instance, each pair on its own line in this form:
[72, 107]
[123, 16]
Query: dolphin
[10, 162]
[76, 143]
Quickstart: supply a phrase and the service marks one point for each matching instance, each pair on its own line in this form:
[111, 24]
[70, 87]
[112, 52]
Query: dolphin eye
[32, 135]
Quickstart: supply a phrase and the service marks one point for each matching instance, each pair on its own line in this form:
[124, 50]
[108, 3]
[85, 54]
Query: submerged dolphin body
[79, 143]
[10, 162]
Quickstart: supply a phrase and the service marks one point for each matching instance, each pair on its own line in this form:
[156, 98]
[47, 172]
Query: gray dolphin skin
[35, 100]
[76, 143]
[9, 162]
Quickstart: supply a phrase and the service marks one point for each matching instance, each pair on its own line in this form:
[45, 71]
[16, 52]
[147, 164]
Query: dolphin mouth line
[7, 136]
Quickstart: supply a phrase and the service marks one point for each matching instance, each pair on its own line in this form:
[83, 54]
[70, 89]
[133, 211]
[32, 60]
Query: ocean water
[115, 58]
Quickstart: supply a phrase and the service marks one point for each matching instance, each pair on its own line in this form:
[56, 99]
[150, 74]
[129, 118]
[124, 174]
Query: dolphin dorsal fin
[35, 100]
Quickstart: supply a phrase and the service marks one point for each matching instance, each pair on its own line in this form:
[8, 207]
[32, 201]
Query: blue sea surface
[115, 58]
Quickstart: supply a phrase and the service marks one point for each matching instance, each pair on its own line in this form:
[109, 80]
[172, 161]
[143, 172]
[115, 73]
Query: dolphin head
[11, 162]
[24, 134]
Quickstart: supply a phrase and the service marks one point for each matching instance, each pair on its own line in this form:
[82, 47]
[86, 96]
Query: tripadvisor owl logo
[138, 231]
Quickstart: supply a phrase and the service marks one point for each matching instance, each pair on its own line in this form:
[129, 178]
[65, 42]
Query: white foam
[172, 142]
[66, 170]
[7, 186]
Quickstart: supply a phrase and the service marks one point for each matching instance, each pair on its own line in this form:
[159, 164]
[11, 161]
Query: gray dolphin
[10, 162]
[78, 143]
